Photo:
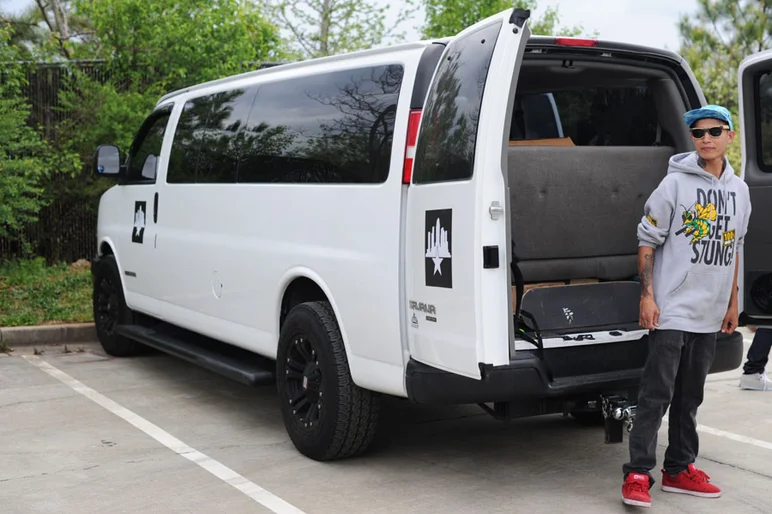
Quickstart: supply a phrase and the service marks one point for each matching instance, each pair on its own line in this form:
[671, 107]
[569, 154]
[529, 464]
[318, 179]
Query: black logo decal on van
[438, 262]
[138, 230]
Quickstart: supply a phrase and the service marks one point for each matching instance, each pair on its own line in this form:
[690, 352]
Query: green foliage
[25, 157]
[449, 17]
[101, 114]
[32, 293]
[175, 43]
[150, 48]
[718, 37]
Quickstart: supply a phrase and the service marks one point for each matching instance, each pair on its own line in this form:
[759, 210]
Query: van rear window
[448, 133]
[593, 116]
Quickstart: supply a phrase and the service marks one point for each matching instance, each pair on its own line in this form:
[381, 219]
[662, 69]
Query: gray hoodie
[697, 224]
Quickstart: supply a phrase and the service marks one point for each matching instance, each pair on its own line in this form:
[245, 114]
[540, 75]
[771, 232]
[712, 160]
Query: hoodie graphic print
[697, 224]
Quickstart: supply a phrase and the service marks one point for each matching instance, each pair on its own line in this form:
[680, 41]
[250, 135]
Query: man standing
[690, 237]
[754, 375]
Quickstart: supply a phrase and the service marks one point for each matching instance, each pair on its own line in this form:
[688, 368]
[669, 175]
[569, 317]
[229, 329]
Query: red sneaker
[691, 481]
[635, 490]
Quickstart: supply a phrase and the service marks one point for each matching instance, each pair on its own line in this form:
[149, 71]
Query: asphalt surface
[81, 433]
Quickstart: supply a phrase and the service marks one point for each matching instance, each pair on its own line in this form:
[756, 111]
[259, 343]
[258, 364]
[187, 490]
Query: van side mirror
[107, 161]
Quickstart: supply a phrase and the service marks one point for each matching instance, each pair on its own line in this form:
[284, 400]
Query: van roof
[268, 68]
[548, 42]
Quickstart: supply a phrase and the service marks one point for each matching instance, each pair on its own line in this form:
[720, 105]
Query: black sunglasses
[699, 133]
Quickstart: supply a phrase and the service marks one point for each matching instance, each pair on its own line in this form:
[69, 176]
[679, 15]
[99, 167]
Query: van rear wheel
[326, 415]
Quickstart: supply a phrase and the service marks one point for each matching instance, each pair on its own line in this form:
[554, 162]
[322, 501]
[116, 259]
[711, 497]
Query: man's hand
[731, 320]
[649, 315]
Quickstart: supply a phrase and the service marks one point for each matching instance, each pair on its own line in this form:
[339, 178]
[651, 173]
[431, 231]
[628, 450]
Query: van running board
[239, 369]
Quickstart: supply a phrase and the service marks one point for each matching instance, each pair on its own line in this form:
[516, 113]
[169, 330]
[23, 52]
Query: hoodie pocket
[702, 297]
[680, 285]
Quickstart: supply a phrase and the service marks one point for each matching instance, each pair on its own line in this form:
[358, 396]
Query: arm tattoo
[646, 273]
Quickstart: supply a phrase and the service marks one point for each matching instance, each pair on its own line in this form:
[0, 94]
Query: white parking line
[730, 435]
[219, 470]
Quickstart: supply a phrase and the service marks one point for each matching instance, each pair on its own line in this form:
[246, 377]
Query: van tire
[334, 418]
[110, 309]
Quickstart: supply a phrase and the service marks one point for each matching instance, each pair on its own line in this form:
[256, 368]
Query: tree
[318, 28]
[175, 43]
[25, 158]
[44, 30]
[716, 39]
[149, 49]
[449, 17]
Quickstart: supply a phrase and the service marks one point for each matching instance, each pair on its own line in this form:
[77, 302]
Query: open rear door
[457, 237]
[755, 80]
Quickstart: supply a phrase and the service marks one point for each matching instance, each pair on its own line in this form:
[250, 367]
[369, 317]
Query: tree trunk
[324, 29]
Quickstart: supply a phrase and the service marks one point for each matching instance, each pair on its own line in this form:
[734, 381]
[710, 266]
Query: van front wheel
[110, 309]
[326, 415]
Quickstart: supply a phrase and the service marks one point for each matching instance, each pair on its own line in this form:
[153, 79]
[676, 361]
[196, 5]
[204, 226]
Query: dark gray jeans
[674, 375]
[758, 353]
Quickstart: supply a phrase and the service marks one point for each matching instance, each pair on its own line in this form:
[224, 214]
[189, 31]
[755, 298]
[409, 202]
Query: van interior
[589, 142]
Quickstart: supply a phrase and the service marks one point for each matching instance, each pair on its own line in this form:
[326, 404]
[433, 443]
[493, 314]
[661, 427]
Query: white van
[347, 225]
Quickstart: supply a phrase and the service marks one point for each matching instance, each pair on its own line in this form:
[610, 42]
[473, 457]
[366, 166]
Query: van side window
[333, 127]
[764, 127]
[446, 148]
[218, 157]
[187, 141]
[146, 148]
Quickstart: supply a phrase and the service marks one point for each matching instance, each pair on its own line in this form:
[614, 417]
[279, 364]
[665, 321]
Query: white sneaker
[756, 382]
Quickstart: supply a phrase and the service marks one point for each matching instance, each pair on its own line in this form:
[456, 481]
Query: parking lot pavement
[82, 432]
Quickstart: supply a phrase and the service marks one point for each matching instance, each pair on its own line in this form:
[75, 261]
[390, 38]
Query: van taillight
[412, 135]
[573, 41]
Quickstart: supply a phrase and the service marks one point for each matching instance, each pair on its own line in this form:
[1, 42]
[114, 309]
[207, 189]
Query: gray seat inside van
[575, 209]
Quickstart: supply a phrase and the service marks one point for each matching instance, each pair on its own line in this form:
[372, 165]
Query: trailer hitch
[618, 415]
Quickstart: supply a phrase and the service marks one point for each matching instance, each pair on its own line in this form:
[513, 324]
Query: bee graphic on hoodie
[696, 221]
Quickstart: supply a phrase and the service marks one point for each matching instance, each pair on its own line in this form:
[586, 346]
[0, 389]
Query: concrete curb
[42, 335]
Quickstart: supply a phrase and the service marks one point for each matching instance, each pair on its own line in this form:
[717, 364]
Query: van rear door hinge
[519, 17]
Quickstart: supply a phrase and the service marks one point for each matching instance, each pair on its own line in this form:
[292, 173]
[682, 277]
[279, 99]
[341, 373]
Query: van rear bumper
[527, 377]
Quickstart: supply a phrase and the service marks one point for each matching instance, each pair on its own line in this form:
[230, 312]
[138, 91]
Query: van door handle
[496, 210]
[155, 208]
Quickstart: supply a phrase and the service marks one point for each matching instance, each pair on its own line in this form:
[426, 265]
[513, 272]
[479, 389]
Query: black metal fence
[65, 232]
[66, 228]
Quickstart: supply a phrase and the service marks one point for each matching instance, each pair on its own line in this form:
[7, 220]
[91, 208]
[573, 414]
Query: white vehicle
[345, 226]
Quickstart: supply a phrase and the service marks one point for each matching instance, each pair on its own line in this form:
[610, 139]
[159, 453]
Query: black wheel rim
[106, 305]
[304, 383]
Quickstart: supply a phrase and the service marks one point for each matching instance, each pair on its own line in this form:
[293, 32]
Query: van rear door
[755, 77]
[457, 237]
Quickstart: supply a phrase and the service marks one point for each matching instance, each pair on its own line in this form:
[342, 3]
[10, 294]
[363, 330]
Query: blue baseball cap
[709, 111]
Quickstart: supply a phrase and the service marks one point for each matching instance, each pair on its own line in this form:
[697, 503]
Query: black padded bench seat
[575, 209]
